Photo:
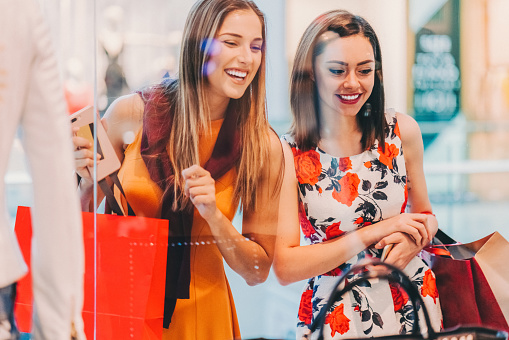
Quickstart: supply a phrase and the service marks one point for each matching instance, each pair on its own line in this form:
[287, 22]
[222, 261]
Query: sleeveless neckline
[359, 155]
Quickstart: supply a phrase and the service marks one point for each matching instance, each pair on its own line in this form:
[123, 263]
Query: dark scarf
[154, 140]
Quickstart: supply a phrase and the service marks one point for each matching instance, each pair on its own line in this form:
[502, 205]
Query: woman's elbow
[282, 275]
[259, 275]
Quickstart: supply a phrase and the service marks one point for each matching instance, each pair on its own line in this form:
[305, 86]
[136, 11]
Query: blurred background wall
[446, 62]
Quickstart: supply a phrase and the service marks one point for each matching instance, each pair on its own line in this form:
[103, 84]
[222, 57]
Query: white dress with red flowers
[339, 195]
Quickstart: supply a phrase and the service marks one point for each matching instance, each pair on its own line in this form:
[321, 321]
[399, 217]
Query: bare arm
[249, 254]
[404, 249]
[418, 199]
[293, 262]
[124, 116]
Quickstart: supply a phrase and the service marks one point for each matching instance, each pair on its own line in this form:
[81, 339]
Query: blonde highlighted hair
[187, 99]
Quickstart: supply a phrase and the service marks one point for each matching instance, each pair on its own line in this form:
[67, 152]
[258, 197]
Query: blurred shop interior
[446, 63]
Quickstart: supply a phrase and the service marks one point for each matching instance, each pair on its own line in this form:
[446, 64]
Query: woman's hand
[414, 225]
[200, 187]
[84, 154]
[403, 251]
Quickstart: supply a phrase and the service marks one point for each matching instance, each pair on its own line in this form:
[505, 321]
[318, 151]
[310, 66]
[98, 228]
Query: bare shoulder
[124, 117]
[410, 132]
[275, 166]
[288, 160]
[276, 150]
[128, 108]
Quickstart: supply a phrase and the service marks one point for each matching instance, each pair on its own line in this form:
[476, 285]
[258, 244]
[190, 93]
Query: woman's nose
[245, 55]
[351, 80]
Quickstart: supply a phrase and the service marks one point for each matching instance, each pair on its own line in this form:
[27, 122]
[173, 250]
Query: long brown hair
[186, 97]
[303, 91]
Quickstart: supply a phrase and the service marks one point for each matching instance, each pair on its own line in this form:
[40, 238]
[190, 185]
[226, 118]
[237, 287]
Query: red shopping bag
[131, 271]
[473, 283]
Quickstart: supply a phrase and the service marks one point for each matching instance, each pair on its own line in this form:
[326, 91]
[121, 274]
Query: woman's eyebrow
[236, 35]
[346, 64]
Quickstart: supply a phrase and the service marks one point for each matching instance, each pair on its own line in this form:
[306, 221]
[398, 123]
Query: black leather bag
[375, 269]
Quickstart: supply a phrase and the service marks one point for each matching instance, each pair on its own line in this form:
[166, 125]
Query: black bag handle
[110, 197]
[391, 272]
[444, 238]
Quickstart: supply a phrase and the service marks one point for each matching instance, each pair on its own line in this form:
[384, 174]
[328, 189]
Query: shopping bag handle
[390, 272]
[110, 197]
[440, 244]
[444, 238]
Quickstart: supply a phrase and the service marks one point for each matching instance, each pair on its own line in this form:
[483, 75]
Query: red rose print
[361, 222]
[367, 165]
[338, 321]
[333, 231]
[349, 184]
[403, 207]
[335, 272]
[306, 307]
[429, 286]
[386, 157]
[396, 130]
[305, 225]
[345, 164]
[296, 152]
[307, 167]
[399, 296]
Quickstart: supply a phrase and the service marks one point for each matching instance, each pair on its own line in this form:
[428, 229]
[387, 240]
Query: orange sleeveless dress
[209, 313]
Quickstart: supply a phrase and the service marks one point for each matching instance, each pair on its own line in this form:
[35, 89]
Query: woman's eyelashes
[366, 71]
[230, 43]
[254, 47]
[338, 72]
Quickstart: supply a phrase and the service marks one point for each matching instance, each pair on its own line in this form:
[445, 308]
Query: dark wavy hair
[303, 91]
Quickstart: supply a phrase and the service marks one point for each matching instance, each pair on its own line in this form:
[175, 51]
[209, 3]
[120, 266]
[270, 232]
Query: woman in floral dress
[352, 170]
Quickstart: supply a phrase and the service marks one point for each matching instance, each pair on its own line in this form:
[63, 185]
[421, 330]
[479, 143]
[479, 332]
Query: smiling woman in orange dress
[202, 145]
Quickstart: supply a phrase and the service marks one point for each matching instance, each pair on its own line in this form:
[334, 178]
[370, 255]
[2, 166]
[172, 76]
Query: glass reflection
[464, 127]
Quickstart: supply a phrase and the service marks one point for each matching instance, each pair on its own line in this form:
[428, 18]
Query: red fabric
[131, 266]
[438, 251]
[157, 123]
[465, 295]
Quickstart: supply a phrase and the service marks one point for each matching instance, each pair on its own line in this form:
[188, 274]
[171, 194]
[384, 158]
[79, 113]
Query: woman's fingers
[422, 221]
[83, 158]
[402, 252]
[81, 143]
[389, 239]
[198, 190]
[414, 226]
[418, 231]
[194, 172]
[198, 181]
[201, 189]
[423, 218]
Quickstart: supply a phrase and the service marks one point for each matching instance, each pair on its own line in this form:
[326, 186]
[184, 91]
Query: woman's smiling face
[235, 55]
[344, 73]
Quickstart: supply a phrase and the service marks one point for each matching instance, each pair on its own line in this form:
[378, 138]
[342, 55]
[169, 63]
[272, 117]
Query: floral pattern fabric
[338, 195]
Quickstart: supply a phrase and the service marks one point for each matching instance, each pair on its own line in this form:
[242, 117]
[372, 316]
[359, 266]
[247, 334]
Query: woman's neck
[340, 135]
[334, 124]
[217, 107]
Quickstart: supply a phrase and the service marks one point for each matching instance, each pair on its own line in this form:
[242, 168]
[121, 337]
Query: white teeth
[351, 97]
[235, 73]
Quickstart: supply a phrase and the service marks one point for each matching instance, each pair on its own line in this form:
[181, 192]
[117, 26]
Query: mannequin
[31, 97]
